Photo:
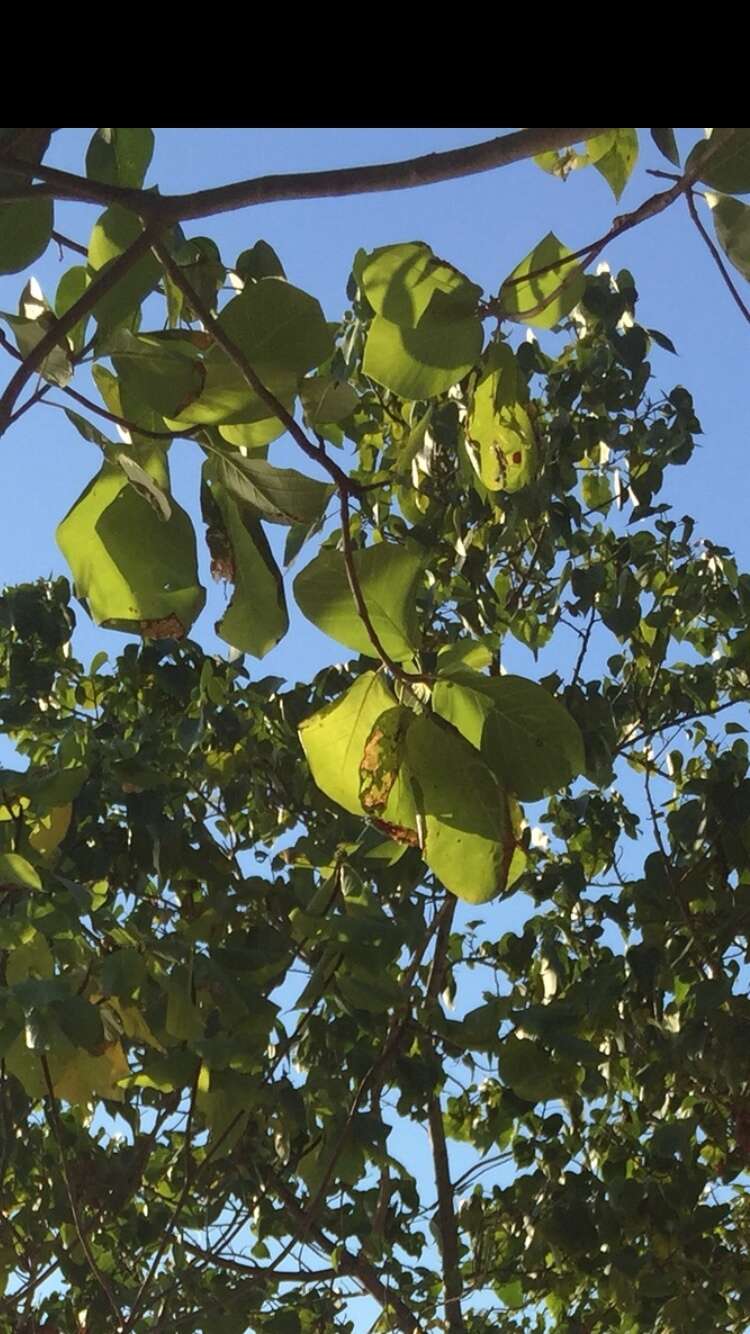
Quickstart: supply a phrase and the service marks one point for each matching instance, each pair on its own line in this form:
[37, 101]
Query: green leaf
[424, 362]
[326, 399]
[400, 282]
[123, 972]
[731, 220]
[498, 426]
[227, 399]
[120, 157]
[70, 289]
[253, 435]
[281, 330]
[667, 144]
[618, 159]
[334, 740]
[530, 1071]
[280, 495]
[57, 367]
[388, 577]
[543, 289]
[260, 261]
[726, 155]
[474, 653]
[164, 374]
[527, 737]
[113, 233]
[468, 838]
[16, 871]
[25, 229]
[134, 571]
[256, 618]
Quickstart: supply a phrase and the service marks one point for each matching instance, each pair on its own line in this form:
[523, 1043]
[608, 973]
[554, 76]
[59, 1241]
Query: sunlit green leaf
[120, 157]
[526, 736]
[256, 618]
[388, 577]
[133, 570]
[544, 287]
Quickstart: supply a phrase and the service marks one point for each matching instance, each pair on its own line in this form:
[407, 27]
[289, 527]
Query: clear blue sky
[484, 225]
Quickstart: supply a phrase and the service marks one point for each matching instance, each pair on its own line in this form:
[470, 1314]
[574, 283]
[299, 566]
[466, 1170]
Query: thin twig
[66, 243]
[142, 1293]
[721, 266]
[354, 1266]
[105, 282]
[81, 1231]
[261, 1271]
[126, 425]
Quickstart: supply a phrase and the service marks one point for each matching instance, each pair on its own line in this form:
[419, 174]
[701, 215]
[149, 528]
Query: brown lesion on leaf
[222, 556]
[381, 760]
[398, 832]
[169, 627]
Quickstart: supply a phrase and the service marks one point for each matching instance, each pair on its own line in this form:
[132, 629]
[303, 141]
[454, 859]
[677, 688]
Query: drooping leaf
[498, 426]
[280, 495]
[256, 618]
[468, 840]
[17, 872]
[120, 157]
[335, 739]
[615, 157]
[667, 144]
[113, 233]
[525, 736]
[543, 288]
[388, 577]
[134, 571]
[732, 223]
[70, 289]
[726, 155]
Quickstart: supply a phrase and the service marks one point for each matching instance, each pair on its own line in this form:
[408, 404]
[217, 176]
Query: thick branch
[405, 175]
[446, 1220]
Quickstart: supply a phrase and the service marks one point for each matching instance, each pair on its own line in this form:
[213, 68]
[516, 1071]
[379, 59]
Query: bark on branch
[405, 175]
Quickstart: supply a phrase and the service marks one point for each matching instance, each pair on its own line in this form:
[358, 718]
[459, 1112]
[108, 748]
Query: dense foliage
[235, 953]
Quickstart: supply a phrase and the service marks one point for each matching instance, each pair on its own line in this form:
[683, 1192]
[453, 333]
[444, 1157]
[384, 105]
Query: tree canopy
[240, 916]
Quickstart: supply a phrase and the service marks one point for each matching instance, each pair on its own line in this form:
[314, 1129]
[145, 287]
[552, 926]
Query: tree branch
[721, 266]
[107, 280]
[335, 184]
[81, 1231]
[354, 1266]
[446, 1220]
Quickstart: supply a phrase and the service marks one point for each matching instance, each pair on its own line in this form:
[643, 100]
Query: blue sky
[484, 225]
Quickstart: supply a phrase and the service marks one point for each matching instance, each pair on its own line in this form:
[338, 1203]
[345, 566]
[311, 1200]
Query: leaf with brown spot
[381, 759]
